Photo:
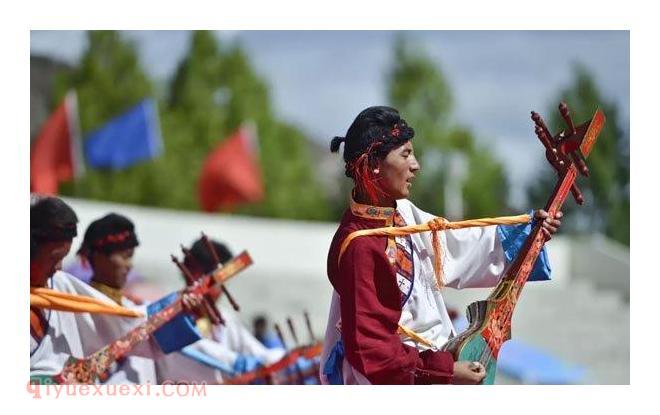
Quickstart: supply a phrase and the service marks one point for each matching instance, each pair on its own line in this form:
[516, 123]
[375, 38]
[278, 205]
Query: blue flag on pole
[131, 137]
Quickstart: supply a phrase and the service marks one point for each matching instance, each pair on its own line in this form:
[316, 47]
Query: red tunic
[370, 304]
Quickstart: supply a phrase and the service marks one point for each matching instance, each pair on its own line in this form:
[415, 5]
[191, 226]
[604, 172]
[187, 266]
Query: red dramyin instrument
[490, 319]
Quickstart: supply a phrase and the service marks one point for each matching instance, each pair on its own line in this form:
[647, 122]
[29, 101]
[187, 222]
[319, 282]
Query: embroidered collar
[378, 213]
[114, 293]
[373, 212]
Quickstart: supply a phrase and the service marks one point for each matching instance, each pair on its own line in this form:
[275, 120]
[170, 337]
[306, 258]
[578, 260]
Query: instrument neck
[122, 346]
[517, 273]
[105, 357]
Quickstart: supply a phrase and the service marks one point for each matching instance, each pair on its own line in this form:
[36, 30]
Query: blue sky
[321, 79]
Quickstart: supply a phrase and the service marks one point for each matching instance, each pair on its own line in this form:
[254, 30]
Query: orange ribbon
[56, 300]
[434, 225]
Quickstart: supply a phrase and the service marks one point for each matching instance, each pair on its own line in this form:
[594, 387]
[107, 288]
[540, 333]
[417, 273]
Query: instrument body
[471, 345]
[490, 320]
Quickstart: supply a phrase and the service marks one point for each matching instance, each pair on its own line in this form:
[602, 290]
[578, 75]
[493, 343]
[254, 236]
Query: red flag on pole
[56, 155]
[231, 175]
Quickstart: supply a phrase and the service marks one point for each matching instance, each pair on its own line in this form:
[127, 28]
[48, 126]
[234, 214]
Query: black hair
[204, 259]
[111, 233]
[378, 124]
[51, 220]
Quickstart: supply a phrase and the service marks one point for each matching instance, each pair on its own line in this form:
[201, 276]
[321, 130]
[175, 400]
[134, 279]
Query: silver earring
[376, 171]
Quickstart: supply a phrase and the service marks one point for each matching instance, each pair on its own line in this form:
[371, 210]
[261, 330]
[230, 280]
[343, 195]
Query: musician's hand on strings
[549, 225]
[468, 373]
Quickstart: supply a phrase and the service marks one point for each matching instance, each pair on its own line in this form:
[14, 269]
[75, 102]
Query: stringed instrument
[277, 373]
[490, 320]
[97, 366]
[308, 352]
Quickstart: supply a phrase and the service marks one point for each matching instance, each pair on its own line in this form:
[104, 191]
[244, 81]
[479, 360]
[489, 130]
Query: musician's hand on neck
[550, 225]
[191, 302]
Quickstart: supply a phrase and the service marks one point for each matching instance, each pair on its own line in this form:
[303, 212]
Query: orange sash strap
[55, 300]
[434, 225]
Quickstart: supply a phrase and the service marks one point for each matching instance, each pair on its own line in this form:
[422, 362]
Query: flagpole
[71, 99]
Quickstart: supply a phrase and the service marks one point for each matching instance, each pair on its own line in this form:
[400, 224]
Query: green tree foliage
[606, 190]
[213, 92]
[419, 90]
[193, 120]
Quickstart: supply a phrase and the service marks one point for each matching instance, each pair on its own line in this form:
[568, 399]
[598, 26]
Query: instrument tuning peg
[279, 335]
[565, 114]
[289, 322]
[309, 327]
[211, 249]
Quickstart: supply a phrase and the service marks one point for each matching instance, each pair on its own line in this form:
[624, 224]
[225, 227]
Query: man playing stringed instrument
[230, 341]
[68, 317]
[388, 319]
[108, 248]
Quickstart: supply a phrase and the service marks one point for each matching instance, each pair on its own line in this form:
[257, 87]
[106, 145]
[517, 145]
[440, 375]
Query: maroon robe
[370, 303]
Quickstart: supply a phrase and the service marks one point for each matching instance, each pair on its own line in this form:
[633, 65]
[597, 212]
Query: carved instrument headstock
[569, 147]
[209, 299]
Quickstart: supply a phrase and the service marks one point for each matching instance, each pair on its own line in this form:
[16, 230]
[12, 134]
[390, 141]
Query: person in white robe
[231, 342]
[56, 335]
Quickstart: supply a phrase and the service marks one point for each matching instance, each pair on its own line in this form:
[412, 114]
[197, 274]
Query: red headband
[112, 239]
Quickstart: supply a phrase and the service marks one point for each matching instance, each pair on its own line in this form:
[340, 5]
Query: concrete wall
[602, 262]
[289, 271]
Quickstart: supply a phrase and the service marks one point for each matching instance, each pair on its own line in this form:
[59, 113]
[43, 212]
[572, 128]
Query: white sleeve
[216, 350]
[471, 257]
[239, 339]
